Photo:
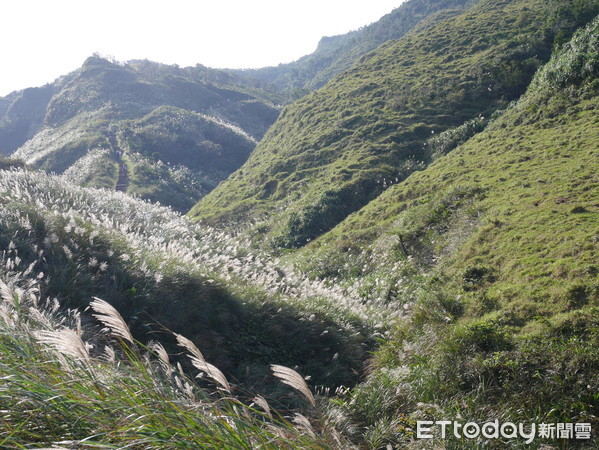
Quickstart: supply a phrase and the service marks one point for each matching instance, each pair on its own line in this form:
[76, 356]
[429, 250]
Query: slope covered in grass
[336, 54]
[161, 132]
[66, 384]
[524, 184]
[493, 251]
[163, 273]
[335, 150]
[467, 291]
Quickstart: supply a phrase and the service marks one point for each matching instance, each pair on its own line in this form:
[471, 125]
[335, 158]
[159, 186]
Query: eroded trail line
[122, 183]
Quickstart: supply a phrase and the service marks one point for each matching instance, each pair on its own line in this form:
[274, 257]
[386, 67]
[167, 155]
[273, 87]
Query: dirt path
[122, 183]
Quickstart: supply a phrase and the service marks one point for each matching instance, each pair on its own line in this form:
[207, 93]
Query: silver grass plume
[163, 357]
[293, 379]
[7, 315]
[39, 318]
[65, 341]
[198, 361]
[303, 422]
[110, 317]
[184, 387]
[190, 346]
[6, 293]
[262, 403]
[213, 372]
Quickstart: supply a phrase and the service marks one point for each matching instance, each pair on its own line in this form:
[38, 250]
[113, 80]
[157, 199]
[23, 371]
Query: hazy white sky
[43, 39]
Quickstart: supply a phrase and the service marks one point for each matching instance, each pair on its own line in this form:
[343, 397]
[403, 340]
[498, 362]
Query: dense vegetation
[497, 263]
[161, 132]
[393, 254]
[336, 54]
[335, 150]
[63, 245]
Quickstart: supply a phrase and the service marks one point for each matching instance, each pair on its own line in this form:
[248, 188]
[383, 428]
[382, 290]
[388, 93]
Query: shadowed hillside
[335, 150]
[415, 241]
[178, 131]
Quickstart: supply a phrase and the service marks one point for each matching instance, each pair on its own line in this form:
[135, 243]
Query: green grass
[492, 249]
[337, 149]
[336, 54]
[486, 260]
[64, 385]
[467, 289]
[162, 272]
[204, 122]
[63, 245]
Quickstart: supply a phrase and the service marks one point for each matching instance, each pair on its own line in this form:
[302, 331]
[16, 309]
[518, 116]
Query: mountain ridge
[368, 126]
[335, 54]
[78, 119]
[415, 241]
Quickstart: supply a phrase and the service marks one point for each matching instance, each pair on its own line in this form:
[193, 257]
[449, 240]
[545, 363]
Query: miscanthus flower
[155, 238]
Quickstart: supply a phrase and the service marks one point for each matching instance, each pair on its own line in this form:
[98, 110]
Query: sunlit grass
[65, 384]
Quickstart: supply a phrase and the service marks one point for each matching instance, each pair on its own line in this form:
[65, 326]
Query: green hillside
[335, 150]
[492, 250]
[62, 377]
[22, 115]
[415, 241]
[166, 133]
[336, 54]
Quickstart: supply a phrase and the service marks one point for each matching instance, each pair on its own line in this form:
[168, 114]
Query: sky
[41, 40]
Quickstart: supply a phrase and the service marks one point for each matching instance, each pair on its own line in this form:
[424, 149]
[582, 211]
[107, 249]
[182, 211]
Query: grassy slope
[336, 149]
[525, 197]
[161, 113]
[21, 115]
[176, 156]
[162, 273]
[64, 383]
[491, 250]
[337, 54]
[136, 87]
[522, 186]
[499, 240]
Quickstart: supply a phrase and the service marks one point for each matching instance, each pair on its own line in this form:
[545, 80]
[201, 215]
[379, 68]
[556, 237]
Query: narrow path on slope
[122, 183]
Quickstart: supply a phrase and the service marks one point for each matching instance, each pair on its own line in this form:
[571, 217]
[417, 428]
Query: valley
[398, 229]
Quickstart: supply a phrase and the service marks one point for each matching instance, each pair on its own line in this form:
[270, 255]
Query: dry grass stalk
[163, 356]
[293, 379]
[6, 293]
[262, 403]
[66, 341]
[303, 422]
[109, 354]
[213, 372]
[7, 315]
[111, 318]
[39, 318]
[190, 346]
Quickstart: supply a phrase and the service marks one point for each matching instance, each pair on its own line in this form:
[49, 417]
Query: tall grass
[155, 238]
[65, 384]
[448, 348]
